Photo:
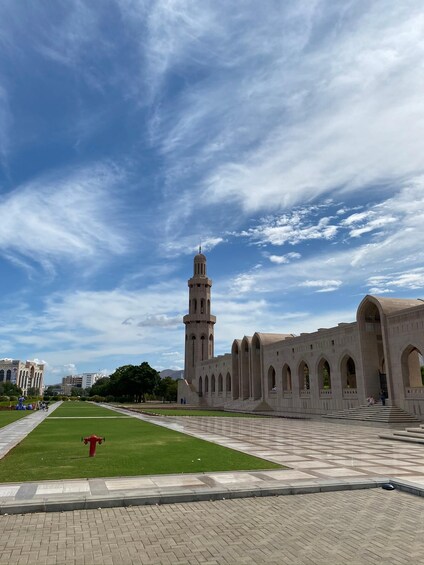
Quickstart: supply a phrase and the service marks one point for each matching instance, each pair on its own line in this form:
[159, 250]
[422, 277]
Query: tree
[102, 387]
[9, 389]
[33, 391]
[167, 389]
[133, 381]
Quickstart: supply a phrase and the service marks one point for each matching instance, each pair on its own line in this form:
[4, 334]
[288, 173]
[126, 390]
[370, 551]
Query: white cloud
[291, 228]
[322, 285]
[62, 217]
[287, 258]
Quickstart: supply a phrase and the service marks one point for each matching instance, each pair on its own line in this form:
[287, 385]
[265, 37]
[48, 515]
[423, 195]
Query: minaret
[199, 322]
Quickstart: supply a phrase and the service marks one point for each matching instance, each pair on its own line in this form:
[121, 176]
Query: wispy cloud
[65, 216]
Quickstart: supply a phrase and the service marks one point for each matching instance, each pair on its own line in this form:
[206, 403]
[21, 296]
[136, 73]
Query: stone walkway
[339, 528]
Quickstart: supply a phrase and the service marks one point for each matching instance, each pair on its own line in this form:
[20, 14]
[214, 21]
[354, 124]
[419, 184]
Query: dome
[199, 258]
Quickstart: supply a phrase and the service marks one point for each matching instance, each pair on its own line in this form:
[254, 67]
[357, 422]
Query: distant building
[25, 374]
[85, 380]
[89, 379]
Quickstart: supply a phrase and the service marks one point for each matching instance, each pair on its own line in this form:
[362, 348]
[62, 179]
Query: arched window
[210, 346]
[272, 385]
[287, 382]
[206, 384]
[213, 384]
[8, 375]
[1, 375]
[412, 364]
[324, 375]
[200, 386]
[194, 305]
[304, 379]
[202, 306]
[220, 386]
[202, 341]
[209, 307]
[348, 372]
[193, 349]
[228, 382]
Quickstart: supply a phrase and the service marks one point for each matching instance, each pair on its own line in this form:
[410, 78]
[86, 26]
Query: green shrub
[13, 398]
[4, 398]
[110, 398]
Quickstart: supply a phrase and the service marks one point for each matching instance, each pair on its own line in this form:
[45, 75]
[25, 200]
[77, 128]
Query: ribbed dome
[199, 258]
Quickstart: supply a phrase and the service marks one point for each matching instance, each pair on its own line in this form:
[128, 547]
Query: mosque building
[318, 373]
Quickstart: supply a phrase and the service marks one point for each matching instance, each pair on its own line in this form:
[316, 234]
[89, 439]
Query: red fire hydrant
[93, 441]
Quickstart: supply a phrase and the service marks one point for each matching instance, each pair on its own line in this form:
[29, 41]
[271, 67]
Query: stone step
[419, 430]
[408, 439]
[376, 413]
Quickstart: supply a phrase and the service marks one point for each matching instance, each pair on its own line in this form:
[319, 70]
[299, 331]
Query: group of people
[371, 399]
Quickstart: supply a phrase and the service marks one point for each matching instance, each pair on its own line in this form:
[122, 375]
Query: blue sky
[287, 137]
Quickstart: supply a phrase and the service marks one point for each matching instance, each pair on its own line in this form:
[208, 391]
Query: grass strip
[78, 409]
[133, 447]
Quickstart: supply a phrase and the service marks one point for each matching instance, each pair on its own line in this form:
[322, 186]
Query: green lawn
[54, 450]
[188, 412]
[9, 416]
[81, 409]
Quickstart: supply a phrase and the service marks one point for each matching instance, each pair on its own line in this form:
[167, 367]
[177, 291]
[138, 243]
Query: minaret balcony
[193, 318]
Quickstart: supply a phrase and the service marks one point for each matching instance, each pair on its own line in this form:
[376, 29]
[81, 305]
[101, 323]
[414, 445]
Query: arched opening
[272, 384]
[324, 376]
[372, 346]
[209, 307]
[412, 363]
[348, 372]
[228, 382]
[213, 384]
[304, 378]
[194, 306]
[1, 375]
[202, 306]
[210, 346]
[245, 368]
[8, 375]
[193, 350]
[203, 346]
[200, 386]
[220, 383]
[206, 384]
[287, 380]
[235, 363]
[256, 367]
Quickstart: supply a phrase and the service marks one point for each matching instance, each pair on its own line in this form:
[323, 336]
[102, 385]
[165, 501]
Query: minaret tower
[199, 322]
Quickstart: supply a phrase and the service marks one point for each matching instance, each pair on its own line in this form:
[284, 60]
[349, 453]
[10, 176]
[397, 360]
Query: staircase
[246, 406]
[376, 413]
[411, 435]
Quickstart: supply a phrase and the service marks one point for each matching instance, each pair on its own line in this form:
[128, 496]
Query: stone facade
[25, 374]
[320, 372]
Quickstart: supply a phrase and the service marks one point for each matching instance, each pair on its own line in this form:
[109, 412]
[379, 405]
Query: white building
[25, 374]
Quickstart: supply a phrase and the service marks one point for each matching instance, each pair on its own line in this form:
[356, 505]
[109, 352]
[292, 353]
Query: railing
[350, 392]
[287, 393]
[305, 393]
[414, 392]
[325, 392]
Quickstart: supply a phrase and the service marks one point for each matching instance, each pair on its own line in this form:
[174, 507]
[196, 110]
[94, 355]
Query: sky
[285, 137]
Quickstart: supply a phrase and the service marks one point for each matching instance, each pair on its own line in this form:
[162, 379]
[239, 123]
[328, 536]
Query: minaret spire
[199, 334]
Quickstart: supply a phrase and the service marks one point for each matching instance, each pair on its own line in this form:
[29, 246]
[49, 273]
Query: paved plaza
[355, 527]
[364, 525]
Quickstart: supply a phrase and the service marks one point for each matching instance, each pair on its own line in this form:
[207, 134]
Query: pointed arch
[304, 376]
[324, 374]
[213, 389]
[220, 383]
[286, 378]
[412, 364]
[272, 382]
[235, 366]
[200, 386]
[228, 383]
[206, 384]
[348, 372]
[256, 367]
